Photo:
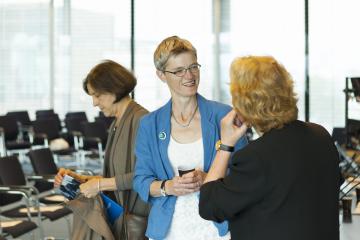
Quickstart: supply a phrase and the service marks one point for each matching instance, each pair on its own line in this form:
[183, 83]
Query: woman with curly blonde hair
[270, 190]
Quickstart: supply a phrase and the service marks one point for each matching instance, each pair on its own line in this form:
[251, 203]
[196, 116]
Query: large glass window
[334, 55]
[24, 51]
[158, 19]
[87, 32]
[253, 29]
[47, 48]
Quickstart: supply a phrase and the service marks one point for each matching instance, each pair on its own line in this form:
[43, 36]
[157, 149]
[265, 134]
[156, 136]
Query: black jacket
[282, 186]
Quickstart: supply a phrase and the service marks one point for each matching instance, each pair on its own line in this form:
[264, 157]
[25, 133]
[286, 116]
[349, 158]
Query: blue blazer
[152, 162]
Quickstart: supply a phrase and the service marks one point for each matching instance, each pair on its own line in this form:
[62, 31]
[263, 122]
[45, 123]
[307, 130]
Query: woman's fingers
[90, 188]
[184, 191]
[192, 177]
[59, 177]
[230, 132]
[187, 186]
[185, 180]
[189, 183]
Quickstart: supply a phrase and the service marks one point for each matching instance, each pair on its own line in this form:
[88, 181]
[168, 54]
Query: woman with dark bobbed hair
[284, 185]
[109, 84]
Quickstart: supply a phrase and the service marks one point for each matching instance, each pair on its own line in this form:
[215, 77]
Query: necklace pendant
[191, 118]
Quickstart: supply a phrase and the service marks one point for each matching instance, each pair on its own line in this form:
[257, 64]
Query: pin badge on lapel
[162, 135]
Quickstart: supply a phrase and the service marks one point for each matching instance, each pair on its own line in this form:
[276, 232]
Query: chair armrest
[28, 129]
[41, 135]
[26, 192]
[84, 172]
[48, 178]
[76, 133]
[19, 190]
[94, 139]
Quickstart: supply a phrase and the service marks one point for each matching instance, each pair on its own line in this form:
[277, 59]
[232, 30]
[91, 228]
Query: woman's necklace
[191, 118]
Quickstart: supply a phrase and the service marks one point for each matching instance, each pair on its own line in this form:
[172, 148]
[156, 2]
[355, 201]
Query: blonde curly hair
[262, 92]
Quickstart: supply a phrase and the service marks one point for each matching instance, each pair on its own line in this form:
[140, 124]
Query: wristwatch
[162, 189]
[220, 146]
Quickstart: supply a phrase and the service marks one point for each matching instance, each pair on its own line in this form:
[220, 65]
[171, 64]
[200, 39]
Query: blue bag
[113, 209]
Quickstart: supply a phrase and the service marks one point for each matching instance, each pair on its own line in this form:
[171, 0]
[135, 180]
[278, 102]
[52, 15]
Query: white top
[186, 222]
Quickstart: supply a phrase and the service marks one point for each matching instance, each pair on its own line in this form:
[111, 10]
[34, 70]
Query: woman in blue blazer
[181, 135]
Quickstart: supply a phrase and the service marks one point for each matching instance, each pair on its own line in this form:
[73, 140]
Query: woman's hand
[203, 175]
[60, 175]
[188, 183]
[231, 132]
[90, 188]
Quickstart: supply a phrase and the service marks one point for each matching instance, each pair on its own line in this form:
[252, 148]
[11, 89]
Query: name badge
[162, 135]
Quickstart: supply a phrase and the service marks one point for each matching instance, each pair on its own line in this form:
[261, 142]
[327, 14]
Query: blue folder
[113, 209]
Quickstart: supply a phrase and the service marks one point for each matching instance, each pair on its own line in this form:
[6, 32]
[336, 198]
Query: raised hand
[230, 131]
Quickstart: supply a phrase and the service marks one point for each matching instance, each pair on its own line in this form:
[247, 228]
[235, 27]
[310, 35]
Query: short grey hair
[171, 46]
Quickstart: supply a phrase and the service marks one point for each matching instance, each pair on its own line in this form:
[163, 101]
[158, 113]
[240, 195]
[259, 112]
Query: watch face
[217, 145]
[162, 189]
[162, 192]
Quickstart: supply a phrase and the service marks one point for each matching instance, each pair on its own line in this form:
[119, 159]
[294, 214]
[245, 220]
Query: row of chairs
[23, 118]
[79, 133]
[348, 153]
[21, 202]
[38, 201]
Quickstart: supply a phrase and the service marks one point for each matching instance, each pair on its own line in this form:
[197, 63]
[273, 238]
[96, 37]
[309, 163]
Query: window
[158, 19]
[47, 50]
[87, 32]
[24, 51]
[255, 30]
[334, 55]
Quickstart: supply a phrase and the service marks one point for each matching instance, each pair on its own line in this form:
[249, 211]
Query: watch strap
[162, 188]
[223, 147]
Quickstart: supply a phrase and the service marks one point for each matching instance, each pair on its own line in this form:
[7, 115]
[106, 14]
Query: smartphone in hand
[237, 122]
[182, 172]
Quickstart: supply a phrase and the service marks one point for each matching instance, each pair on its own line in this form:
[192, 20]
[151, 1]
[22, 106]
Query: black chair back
[11, 173]
[74, 124]
[48, 127]
[53, 116]
[42, 113]
[106, 121]
[21, 116]
[95, 129]
[43, 163]
[79, 115]
[339, 135]
[8, 123]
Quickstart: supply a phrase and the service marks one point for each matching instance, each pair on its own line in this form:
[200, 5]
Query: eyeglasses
[181, 72]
